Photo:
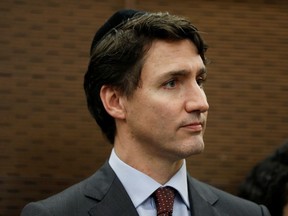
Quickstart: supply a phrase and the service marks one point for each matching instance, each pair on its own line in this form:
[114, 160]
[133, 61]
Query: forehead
[164, 56]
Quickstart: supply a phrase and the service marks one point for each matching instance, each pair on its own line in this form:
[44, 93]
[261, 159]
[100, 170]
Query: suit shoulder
[228, 203]
[56, 204]
[79, 197]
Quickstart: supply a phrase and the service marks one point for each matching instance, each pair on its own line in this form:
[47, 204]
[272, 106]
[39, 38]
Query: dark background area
[48, 140]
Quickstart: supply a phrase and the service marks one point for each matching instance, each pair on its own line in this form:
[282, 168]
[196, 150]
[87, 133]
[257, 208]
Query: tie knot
[164, 199]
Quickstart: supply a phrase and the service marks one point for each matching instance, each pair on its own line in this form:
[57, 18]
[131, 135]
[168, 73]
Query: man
[144, 87]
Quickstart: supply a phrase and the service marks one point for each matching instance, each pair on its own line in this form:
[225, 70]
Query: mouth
[193, 127]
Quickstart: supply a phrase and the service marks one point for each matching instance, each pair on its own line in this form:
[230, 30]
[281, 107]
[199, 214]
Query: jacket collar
[202, 199]
[111, 197]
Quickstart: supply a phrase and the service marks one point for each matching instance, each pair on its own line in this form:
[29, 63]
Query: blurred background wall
[48, 140]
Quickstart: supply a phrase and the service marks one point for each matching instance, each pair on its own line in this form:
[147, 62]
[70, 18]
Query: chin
[196, 150]
[196, 146]
[189, 149]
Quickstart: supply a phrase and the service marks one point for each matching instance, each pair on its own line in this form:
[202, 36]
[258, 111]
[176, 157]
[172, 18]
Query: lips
[193, 127]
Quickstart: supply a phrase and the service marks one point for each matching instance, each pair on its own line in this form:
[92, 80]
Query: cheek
[156, 107]
[163, 114]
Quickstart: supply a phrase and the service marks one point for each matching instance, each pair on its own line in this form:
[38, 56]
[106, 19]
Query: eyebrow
[184, 72]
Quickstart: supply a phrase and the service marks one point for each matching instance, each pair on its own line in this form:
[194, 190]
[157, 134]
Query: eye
[201, 80]
[170, 84]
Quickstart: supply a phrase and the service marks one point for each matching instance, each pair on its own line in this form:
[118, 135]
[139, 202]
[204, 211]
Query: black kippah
[115, 20]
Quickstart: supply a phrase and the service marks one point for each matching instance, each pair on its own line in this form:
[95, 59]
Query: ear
[112, 102]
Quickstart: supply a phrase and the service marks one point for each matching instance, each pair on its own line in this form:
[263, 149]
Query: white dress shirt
[140, 187]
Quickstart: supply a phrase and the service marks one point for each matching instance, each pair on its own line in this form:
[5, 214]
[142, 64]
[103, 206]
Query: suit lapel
[112, 198]
[116, 202]
[202, 199]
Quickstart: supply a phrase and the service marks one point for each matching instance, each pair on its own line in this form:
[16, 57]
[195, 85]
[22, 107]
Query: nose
[196, 100]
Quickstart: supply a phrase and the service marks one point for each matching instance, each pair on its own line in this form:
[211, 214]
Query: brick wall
[48, 140]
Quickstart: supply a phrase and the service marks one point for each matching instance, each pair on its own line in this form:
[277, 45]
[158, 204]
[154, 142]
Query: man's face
[166, 116]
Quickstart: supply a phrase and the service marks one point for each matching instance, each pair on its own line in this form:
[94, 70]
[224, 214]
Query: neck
[160, 169]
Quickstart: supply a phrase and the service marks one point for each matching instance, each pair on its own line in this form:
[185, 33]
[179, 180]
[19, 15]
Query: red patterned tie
[164, 199]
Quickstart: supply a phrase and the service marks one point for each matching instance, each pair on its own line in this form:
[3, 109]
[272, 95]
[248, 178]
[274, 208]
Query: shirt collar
[128, 175]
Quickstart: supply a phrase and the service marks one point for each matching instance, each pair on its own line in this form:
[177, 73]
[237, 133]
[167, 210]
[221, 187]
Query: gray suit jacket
[102, 194]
